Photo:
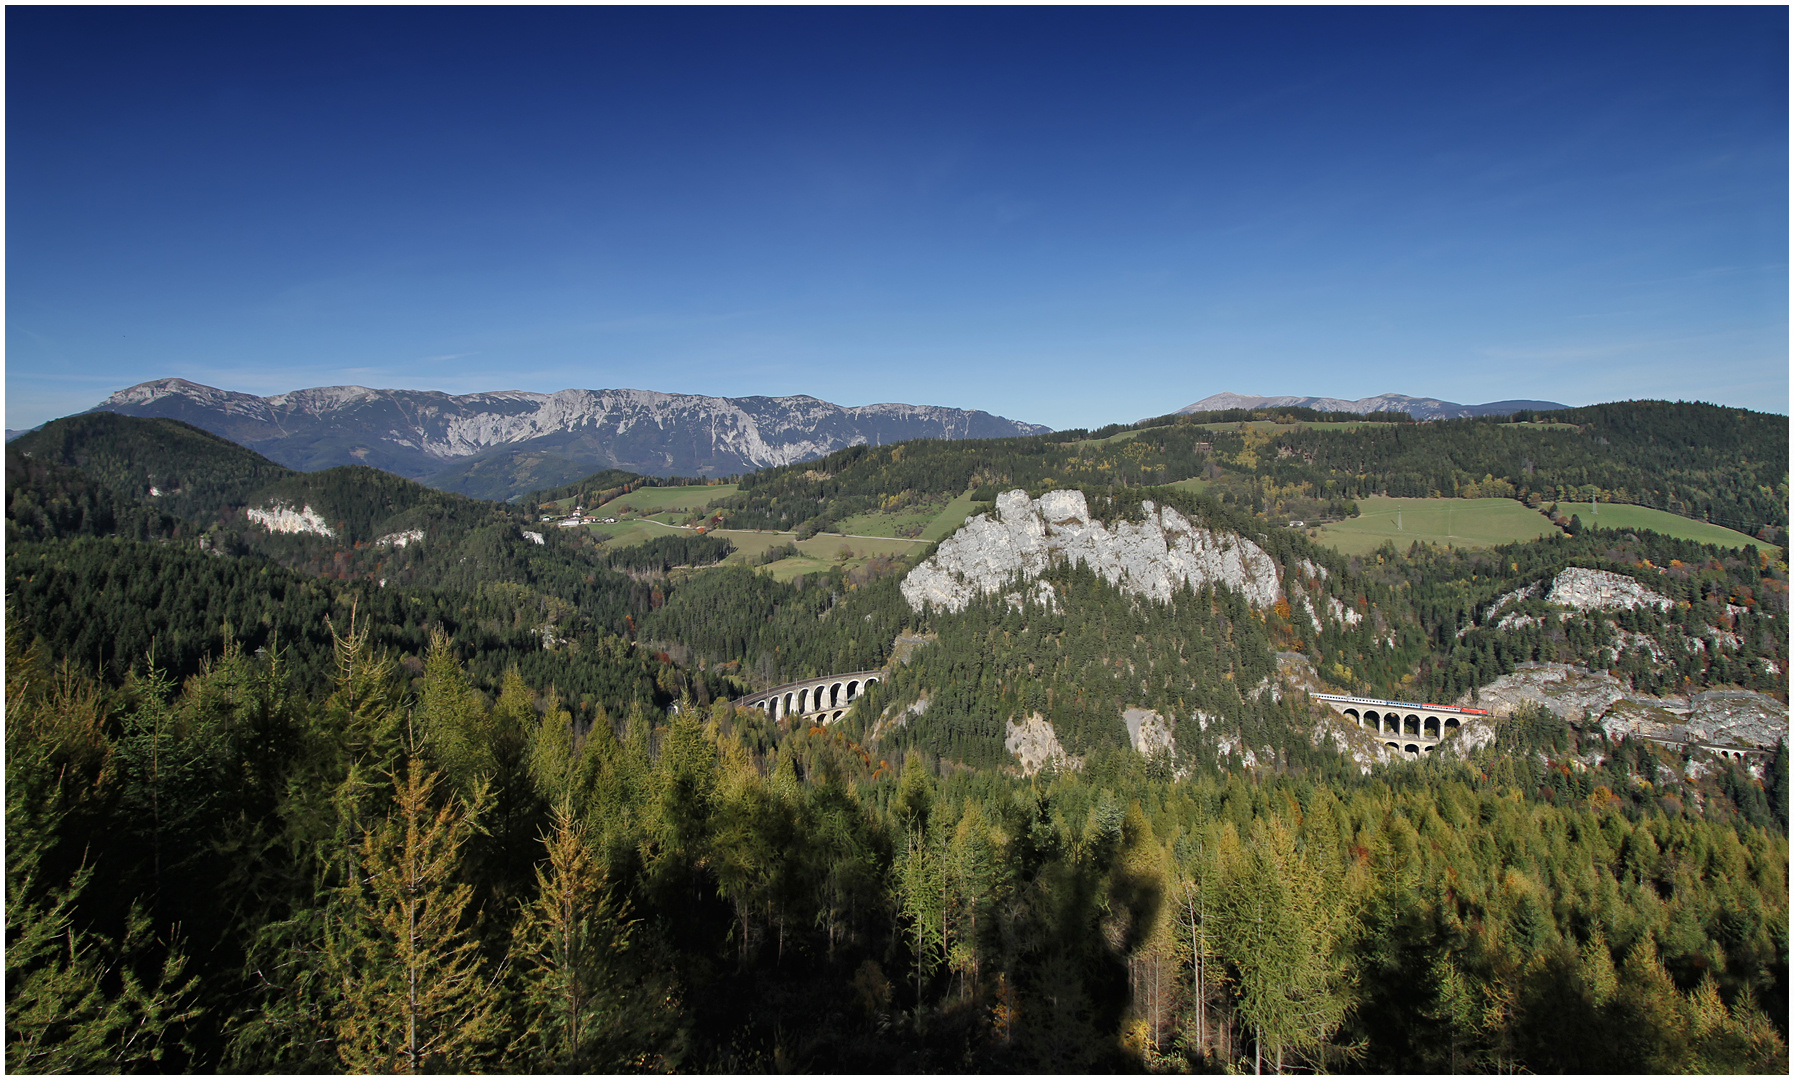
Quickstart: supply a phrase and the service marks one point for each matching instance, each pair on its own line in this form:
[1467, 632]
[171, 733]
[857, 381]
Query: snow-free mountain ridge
[432, 436]
[1418, 408]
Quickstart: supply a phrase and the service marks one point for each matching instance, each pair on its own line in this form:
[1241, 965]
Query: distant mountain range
[1418, 408]
[500, 444]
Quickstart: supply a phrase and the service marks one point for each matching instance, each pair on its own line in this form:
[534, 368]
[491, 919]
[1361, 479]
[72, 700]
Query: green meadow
[1276, 426]
[654, 500]
[1621, 516]
[1193, 486]
[1455, 522]
[1487, 522]
[816, 553]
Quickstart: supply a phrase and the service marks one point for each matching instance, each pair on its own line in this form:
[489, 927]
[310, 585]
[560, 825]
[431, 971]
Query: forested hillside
[227, 745]
[187, 472]
[1283, 464]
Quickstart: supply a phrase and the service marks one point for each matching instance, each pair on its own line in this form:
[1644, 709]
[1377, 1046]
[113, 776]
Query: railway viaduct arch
[824, 699]
[1410, 727]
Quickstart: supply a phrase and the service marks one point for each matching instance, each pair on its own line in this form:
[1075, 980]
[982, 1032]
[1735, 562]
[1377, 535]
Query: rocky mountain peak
[423, 434]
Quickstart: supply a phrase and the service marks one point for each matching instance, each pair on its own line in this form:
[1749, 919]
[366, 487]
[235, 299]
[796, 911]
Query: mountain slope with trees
[225, 744]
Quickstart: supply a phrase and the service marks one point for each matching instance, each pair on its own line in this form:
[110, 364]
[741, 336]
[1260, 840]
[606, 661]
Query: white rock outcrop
[1725, 717]
[1151, 558]
[1231, 744]
[1600, 590]
[1148, 731]
[1034, 743]
[1470, 736]
[1737, 716]
[1524, 593]
[1341, 613]
[400, 539]
[1513, 620]
[1042, 595]
[534, 537]
[285, 519]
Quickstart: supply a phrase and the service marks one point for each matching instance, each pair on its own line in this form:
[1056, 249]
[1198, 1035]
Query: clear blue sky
[1067, 216]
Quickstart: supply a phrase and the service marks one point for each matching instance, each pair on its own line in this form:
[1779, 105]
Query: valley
[597, 539]
[1098, 694]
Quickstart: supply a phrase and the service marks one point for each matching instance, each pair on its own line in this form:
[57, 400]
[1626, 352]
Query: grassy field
[1619, 516]
[953, 517]
[816, 553]
[1123, 436]
[934, 524]
[1193, 486]
[653, 500]
[1274, 426]
[877, 524]
[1457, 522]
[634, 531]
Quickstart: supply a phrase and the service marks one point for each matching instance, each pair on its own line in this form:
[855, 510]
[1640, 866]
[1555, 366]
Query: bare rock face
[1644, 719]
[1591, 590]
[1467, 738]
[1343, 614]
[284, 519]
[1034, 743]
[1355, 743]
[1568, 692]
[1151, 558]
[1148, 731]
[1723, 717]
[1737, 716]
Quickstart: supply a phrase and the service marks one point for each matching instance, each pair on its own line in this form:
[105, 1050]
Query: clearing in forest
[1622, 516]
[1193, 485]
[654, 500]
[927, 523]
[1457, 522]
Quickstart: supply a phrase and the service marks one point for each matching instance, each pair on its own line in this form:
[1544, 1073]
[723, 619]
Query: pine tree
[452, 720]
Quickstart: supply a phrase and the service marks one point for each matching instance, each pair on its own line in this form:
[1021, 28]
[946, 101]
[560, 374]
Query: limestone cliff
[285, 519]
[1151, 558]
[1034, 744]
[1599, 590]
[1725, 717]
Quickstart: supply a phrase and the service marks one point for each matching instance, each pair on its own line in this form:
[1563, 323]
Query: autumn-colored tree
[1279, 933]
[414, 992]
[586, 1006]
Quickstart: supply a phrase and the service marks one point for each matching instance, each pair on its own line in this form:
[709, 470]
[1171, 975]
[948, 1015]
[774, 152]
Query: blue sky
[1067, 216]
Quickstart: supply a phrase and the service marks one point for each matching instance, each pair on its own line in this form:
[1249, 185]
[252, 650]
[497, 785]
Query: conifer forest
[333, 772]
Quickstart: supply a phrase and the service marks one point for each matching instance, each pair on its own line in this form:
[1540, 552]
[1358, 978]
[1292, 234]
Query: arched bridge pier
[1411, 727]
[823, 699]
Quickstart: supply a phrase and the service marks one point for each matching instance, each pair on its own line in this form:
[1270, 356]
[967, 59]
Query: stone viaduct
[823, 699]
[1408, 726]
